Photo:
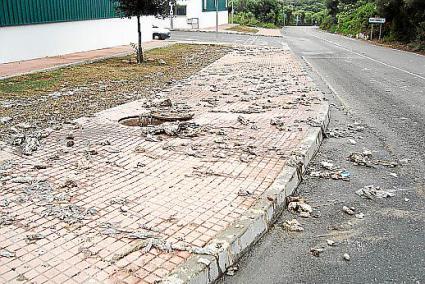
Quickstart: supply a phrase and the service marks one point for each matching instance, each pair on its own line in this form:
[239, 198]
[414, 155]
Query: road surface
[383, 90]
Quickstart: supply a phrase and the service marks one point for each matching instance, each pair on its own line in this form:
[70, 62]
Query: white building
[35, 29]
[195, 14]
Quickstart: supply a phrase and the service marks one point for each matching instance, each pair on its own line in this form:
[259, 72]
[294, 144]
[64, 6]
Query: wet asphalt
[382, 90]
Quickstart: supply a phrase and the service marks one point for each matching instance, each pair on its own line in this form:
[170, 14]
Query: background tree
[138, 8]
[405, 19]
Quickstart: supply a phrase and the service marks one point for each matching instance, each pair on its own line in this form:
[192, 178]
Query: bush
[355, 22]
[248, 19]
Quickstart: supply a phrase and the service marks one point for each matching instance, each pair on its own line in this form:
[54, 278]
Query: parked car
[160, 33]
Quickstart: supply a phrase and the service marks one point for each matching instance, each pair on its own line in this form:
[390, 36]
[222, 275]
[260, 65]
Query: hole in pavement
[152, 120]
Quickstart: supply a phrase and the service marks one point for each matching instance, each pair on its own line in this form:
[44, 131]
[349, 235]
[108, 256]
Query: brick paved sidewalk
[35, 65]
[130, 204]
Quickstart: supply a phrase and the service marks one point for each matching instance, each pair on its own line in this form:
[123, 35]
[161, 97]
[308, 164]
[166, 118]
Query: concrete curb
[225, 32]
[233, 242]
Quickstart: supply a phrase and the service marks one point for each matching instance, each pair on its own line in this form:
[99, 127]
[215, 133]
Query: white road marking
[370, 58]
[343, 102]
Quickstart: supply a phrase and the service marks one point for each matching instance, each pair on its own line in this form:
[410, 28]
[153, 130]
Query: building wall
[208, 19]
[25, 12]
[196, 9]
[36, 41]
[52, 27]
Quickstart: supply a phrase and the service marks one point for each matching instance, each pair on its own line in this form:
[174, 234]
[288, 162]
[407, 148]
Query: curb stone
[236, 240]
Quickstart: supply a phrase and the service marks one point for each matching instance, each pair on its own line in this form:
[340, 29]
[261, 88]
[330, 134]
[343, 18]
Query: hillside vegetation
[405, 19]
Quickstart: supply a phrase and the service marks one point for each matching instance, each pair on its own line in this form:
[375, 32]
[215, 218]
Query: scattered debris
[349, 211]
[336, 174]
[360, 216]
[388, 164]
[141, 235]
[22, 179]
[244, 192]
[365, 159]
[371, 191]
[242, 120]
[316, 251]
[69, 213]
[5, 119]
[327, 165]
[21, 278]
[182, 129]
[6, 253]
[279, 122]
[40, 166]
[7, 219]
[139, 149]
[152, 138]
[299, 206]
[293, 226]
[68, 183]
[232, 270]
[4, 202]
[34, 237]
[91, 152]
[361, 159]
[31, 144]
[147, 244]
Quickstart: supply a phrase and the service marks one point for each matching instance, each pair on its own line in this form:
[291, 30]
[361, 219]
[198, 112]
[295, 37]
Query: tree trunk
[139, 45]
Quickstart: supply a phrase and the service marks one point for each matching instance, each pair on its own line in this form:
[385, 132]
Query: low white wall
[194, 10]
[36, 41]
[208, 19]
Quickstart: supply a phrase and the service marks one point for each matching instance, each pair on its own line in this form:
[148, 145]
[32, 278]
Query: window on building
[210, 5]
[180, 10]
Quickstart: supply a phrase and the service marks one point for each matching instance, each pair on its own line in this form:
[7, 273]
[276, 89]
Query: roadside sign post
[380, 22]
[171, 15]
[216, 16]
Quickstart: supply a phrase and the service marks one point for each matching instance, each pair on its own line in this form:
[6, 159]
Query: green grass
[30, 83]
[109, 69]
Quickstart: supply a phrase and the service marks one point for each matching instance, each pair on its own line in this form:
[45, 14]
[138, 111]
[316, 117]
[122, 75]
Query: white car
[160, 33]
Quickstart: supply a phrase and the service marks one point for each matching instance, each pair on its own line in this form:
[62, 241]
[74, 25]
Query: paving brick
[185, 192]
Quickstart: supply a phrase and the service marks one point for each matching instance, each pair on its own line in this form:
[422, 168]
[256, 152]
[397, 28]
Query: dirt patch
[49, 98]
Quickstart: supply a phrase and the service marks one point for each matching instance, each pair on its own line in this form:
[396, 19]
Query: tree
[332, 6]
[138, 8]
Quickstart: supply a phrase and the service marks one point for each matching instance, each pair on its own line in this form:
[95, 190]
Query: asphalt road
[382, 90]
